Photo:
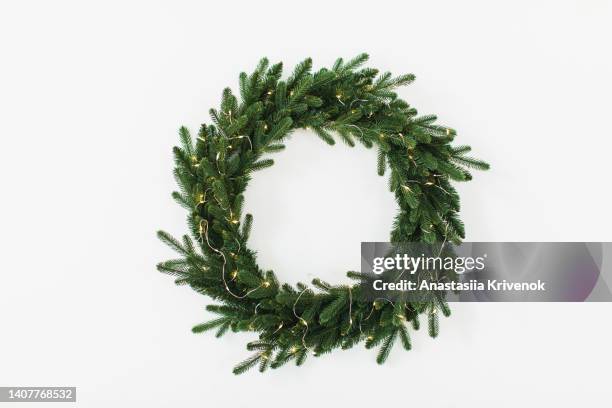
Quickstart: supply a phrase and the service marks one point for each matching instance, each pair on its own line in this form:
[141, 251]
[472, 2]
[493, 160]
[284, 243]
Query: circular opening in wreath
[314, 207]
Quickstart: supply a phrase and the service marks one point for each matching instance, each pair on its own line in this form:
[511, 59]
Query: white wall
[91, 96]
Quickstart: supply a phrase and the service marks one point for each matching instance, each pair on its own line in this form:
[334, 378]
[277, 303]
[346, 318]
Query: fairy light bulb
[234, 274]
[265, 284]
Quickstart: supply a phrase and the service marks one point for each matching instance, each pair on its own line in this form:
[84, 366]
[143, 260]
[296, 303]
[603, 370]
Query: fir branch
[381, 164]
[186, 141]
[262, 164]
[332, 309]
[324, 135]
[246, 227]
[248, 363]
[385, 349]
[405, 337]
[433, 323]
[200, 328]
[356, 62]
[171, 242]
[471, 162]
[301, 69]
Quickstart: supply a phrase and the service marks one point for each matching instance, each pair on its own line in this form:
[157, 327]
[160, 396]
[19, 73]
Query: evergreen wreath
[356, 104]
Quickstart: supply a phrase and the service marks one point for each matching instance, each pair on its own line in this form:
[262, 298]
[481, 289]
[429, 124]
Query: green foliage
[324, 135]
[405, 337]
[433, 324]
[262, 164]
[209, 325]
[358, 105]
[248, 363]
[384, 351]
[332, 309]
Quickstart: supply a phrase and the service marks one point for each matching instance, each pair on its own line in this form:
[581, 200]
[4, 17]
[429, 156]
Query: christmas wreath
[357, 105]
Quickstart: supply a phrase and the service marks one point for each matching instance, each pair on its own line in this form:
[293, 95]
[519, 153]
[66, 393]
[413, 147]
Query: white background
[92, 95]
